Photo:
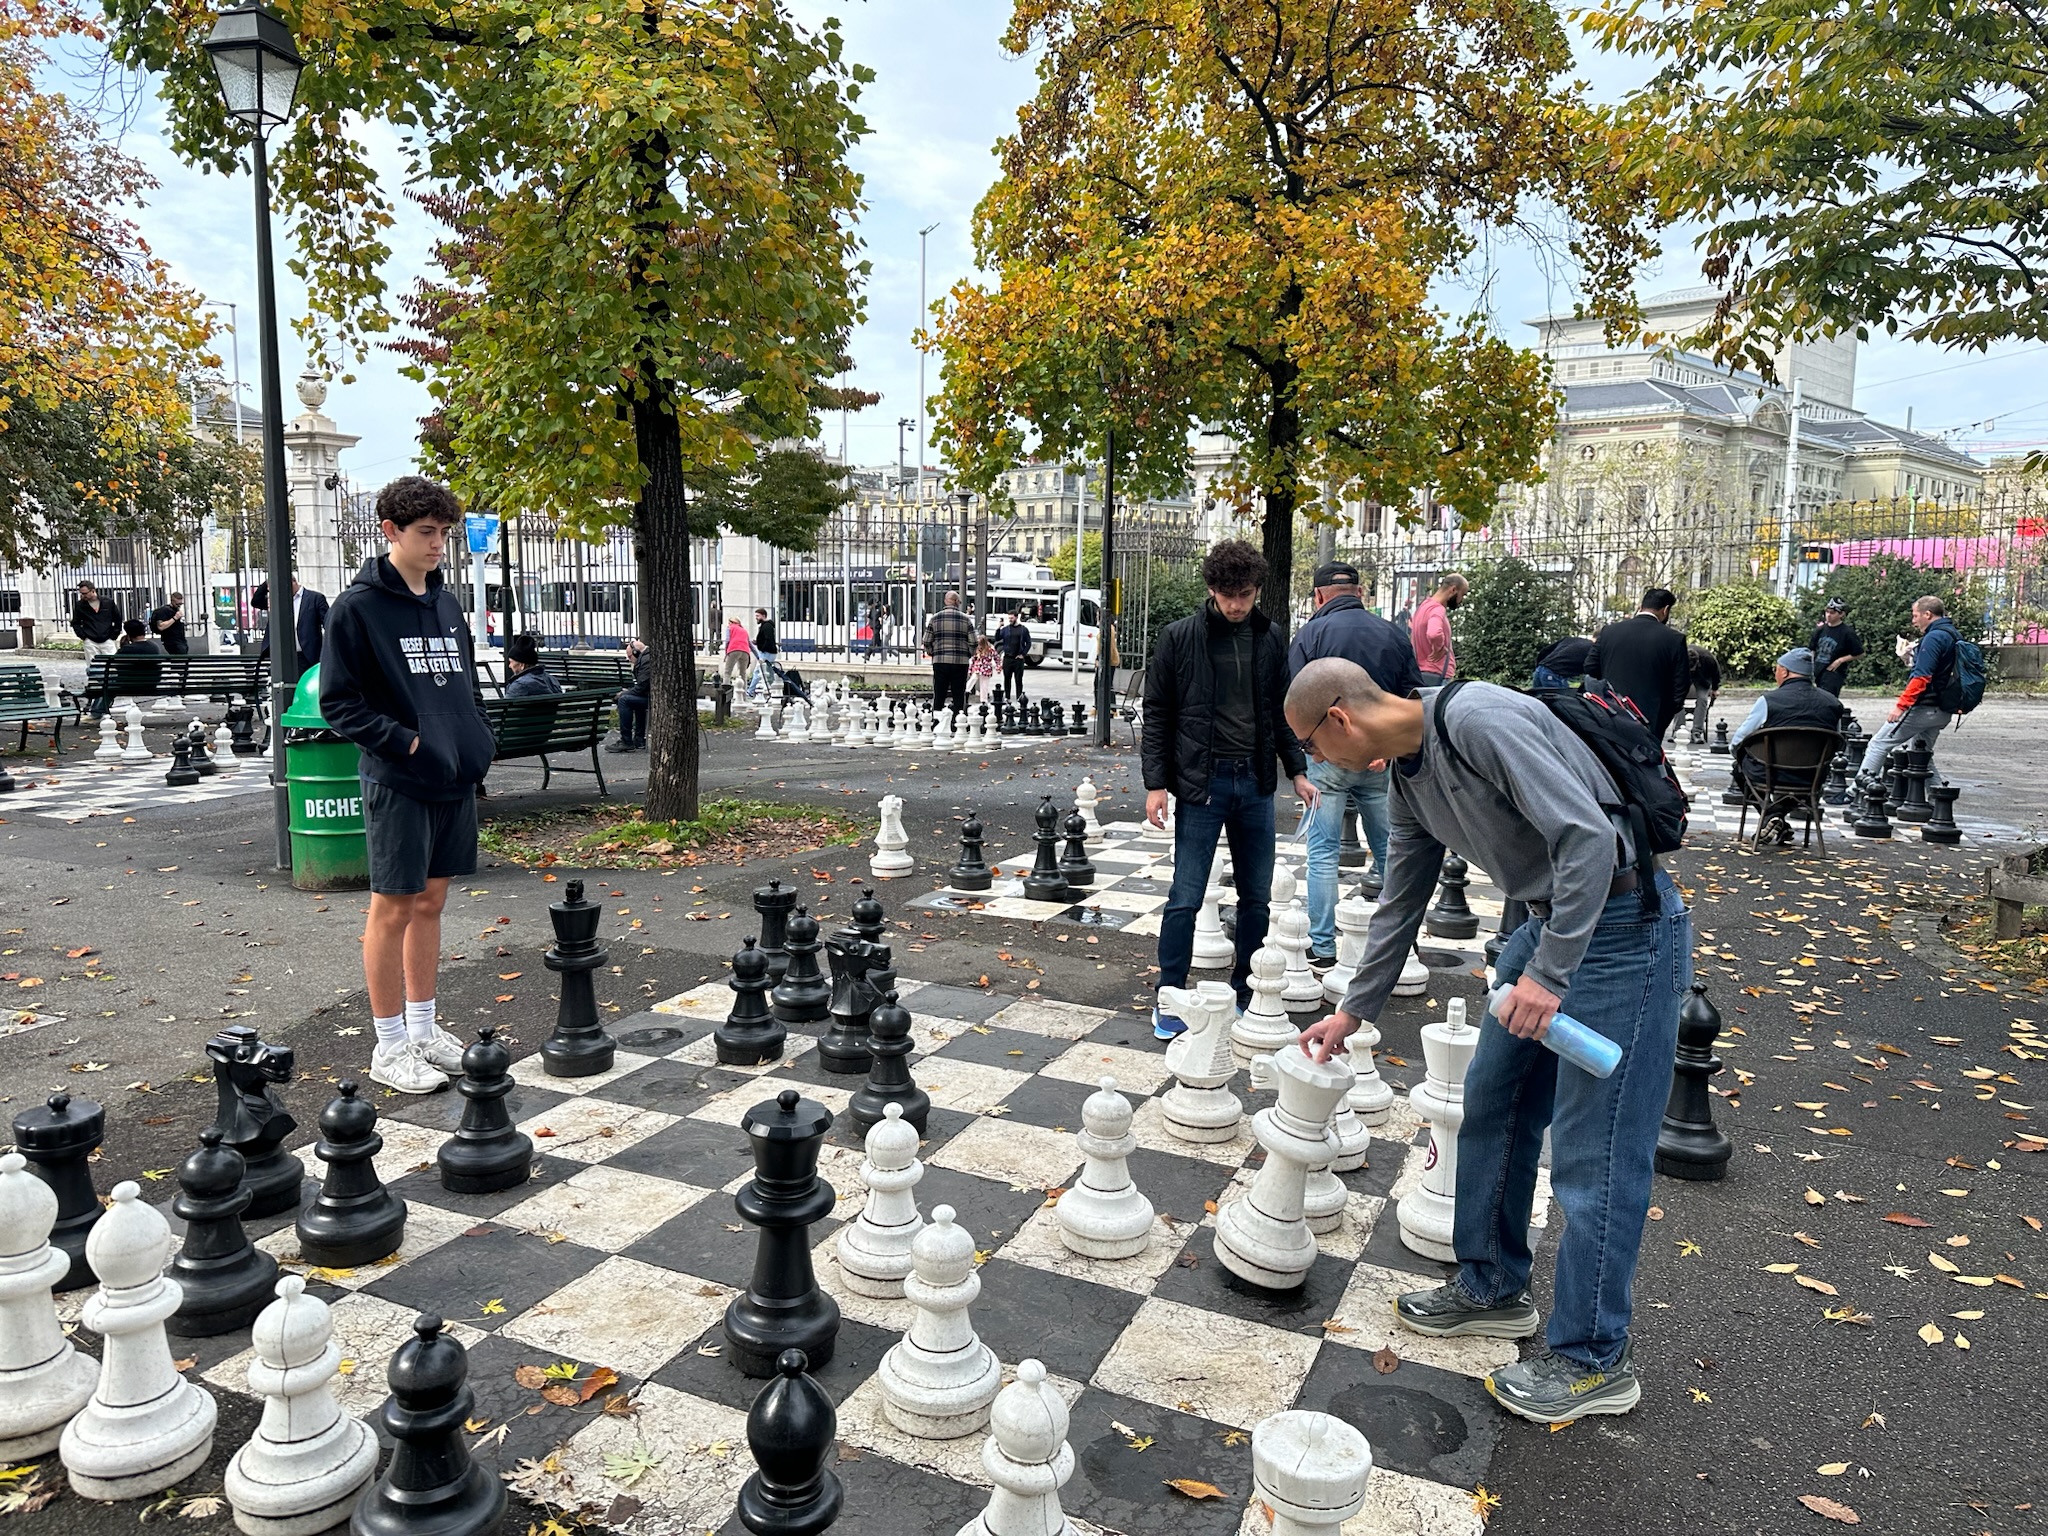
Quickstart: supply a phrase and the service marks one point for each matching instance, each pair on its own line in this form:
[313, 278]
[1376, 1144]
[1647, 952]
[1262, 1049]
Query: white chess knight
[1086, 800]
[308, 1461]
[1426, 1211]
[874, 1248]
[891, 858]
[1323, 1195]
[136, 750]
[1263, 1236]
[1354, 921]
[43, 1379]
[1102, 1215]
[1200, 1107]
[1214, 950]
[1264, 1026]
[943, 739]
[938, 1380]
[1028, 1460]
[1310, 1469]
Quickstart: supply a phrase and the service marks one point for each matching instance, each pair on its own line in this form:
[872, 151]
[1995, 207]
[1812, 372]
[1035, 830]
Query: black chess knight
[252, 1119]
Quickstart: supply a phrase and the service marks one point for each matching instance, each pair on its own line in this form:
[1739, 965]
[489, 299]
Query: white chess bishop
[1102, 1215]
[874, 1249]
[1200, 1107]
[938, 1380]
[1263, 1236]
[1426, 1211]
[1310, 1470]
[891, 857]
[1028, 1460]
[43, 1379]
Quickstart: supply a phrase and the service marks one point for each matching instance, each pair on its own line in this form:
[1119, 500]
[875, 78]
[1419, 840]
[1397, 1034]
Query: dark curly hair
[413, 498]
[1233, 567]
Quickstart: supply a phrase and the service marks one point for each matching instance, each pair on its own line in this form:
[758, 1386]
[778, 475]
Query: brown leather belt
[1625, 880]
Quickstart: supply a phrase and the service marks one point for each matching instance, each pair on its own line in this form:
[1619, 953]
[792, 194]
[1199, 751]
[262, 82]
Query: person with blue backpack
[1946, 683]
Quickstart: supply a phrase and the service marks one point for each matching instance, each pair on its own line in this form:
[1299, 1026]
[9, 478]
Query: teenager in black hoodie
[397, 678]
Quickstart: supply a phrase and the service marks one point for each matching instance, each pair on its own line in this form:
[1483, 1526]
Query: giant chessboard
[89, 789]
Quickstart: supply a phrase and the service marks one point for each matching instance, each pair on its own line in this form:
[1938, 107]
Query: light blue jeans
[1342, 788]
[1603, 1131]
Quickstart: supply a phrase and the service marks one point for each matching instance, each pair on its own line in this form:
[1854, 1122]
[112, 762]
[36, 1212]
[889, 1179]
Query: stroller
[791, 680]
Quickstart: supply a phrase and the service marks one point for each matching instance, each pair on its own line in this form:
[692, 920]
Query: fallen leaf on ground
[1816, 1285]
[1385, 1360]
[1901, 1219]
[1194, 1488]
[1828, 1509]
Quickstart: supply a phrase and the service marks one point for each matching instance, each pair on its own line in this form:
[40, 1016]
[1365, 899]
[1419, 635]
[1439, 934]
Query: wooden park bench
[543, 725]
[23, 698]
[588, 669]
[2017, 881]
[109, 679]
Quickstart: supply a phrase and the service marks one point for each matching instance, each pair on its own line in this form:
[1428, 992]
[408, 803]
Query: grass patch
[726, 831]
[2024, 959]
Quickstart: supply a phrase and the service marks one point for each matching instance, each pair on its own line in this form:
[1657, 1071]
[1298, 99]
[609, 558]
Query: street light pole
[1106, 612]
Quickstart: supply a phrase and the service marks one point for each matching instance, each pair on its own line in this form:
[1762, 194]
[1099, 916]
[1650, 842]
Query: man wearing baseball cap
[1794, 704]
[1835, 644]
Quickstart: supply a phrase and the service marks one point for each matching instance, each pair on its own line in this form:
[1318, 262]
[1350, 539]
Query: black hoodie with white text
[397, 665]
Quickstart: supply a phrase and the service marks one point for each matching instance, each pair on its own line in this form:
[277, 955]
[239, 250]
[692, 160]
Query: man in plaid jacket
[949, 641]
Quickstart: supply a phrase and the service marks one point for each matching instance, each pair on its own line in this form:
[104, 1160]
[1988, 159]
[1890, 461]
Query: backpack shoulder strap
[1444, 695]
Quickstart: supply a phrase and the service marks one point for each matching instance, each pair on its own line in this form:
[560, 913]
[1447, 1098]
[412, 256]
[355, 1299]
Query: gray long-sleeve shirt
[1523, 800]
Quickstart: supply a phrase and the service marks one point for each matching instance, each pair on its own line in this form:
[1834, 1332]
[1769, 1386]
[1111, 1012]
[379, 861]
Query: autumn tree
[666, 268]
[1233, 213]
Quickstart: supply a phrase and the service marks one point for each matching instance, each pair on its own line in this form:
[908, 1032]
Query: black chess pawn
[252, 1118]
[773, 904]
[889, 1080]
[431, 1487]
[1371, 883]
[1689, 1144]
[1078, 724]
[782, 1307]
[1893, 777]
[579, 1046]
[225, 1278]
[202, 764]
[869, 920]
[749, 1035]
[1034, 718]
[354, 1219]
[1872, 822]
[844, 1049]
[1734, 794]
[1914, 773]
[182, 773]
[802, 996]
[1351, 849]
[1836, 790]
[241, 718]
[1045, 882]
[1452, 917]
[1941, 825]
[983, 718]
[971, 873]
[59, 1137]
[1513, 913]
[1720, 747]
[1006, 720]
[793, 1433]
[1076, 868]
[487, 1152]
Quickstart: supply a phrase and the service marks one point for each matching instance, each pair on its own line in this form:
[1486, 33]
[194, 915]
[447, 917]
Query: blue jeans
[1603, 1132]
[632, 717]
[1234, 809]
[1342, 788]
[1545, 678]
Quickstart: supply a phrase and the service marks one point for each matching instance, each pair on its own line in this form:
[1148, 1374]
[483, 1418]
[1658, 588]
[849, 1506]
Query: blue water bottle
[1584, 1047]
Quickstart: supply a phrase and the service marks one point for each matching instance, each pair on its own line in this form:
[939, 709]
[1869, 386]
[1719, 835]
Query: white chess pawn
[1323, 1195]
[799, 726]
[1349, 1127]
[821, 721]
[1086, 799]
[906, 737]
[136, 750]
[224, 749]
[308, 1461]
[43, 1379]
[1426, 1211]
[885, 730]
[874, 1249]
[765, 731]
[1028, 1460]
[109, 749]
[1302, 988]
[1103, 1216]
[1200, 1106]
[1160, 834]
[1263, 1236]
[1214, 949]
[1354, 920]
[891, 858]
[145, 1427]
[1414, 978]
[1370, 1095]
[938, 1380]
[1310, 1469]
[1263, 1027]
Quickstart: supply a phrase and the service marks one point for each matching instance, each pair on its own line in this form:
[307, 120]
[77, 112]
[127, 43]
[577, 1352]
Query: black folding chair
[1783, 770]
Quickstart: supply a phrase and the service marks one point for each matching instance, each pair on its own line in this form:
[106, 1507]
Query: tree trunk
[661, 538]
[1276, 541]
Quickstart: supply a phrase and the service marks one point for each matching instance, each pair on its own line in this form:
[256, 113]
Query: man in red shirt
[1430, 631]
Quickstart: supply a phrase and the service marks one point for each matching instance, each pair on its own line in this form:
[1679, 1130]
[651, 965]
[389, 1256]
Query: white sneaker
[443, 1052]
[404, 1068]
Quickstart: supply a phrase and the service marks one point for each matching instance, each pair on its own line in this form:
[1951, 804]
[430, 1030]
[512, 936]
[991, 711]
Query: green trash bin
[328, 850]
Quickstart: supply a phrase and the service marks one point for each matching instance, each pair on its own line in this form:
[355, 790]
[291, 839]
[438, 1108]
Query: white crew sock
[390, 1031]
[419, 1021]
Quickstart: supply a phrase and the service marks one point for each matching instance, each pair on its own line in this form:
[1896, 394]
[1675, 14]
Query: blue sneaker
[1165, 1026]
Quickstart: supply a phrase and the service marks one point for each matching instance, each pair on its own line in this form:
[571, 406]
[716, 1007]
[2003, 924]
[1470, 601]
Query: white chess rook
[938, 1380]
[1200, 1107]
[1323, 1196]
[874, 1249]
[1310, 1469]
[1103, 1216]
[43, 1379]
[1028, 1460]
[1263, 1236]
[308, 1461]
[1426, 1211]
[890, 858]
[1264, 1027]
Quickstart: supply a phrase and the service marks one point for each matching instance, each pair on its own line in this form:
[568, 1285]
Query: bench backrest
[176, 674]
[553, 722]
[22, 685]
[587, 669]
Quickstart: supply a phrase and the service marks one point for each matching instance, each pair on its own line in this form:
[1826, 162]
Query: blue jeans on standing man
[1603, 1131]
[1343, 788]
[1235, 809]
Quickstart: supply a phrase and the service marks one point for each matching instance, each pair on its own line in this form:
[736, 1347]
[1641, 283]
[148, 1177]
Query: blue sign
[483, 532]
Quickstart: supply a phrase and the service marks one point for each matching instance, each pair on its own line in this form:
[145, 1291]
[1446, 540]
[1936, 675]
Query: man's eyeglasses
[1308, 742]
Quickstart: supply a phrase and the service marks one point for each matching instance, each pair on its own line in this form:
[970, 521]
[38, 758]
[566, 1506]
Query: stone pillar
[747, 576]
[313, 445]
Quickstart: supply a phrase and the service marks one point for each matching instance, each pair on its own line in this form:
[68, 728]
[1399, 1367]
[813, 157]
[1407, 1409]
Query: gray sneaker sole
[1612, 1397]
[1501, 1323]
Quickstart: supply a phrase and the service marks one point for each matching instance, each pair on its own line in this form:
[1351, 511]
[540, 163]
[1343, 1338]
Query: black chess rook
[1941, 826]
[782, 1307]
[750, 1035]
[773, 904]
[1914, 772]
[59, 1137]
[487, 1152]
[579, 1046]
[354, 1219]
[252, 1118]
[1689, 1144]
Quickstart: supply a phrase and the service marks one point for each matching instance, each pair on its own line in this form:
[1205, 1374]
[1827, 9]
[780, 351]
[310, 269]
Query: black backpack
[1614, 729]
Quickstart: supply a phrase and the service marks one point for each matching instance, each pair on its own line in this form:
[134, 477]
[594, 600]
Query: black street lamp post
[258, 68]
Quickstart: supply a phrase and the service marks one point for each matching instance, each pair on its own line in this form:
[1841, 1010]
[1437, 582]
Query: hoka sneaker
[404, 1068]
[1448, 1312]
[443, 1052]
[1553, 1390]
[1165, 1025]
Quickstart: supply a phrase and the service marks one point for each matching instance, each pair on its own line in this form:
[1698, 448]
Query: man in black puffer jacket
[1215, 732]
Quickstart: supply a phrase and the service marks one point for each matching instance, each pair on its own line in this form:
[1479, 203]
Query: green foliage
[1746, 625]
[1177, 591]
[784, 497]
[1512, 612]
[1062, 562]
[1880, 596]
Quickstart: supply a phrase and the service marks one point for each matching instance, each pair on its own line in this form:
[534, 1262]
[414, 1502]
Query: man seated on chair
[1795, 704]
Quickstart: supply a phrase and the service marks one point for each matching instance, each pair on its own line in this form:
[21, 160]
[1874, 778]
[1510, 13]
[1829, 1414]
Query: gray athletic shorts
[414, 841]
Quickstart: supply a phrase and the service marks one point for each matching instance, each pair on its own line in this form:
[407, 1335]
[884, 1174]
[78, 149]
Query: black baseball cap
[1337, 573]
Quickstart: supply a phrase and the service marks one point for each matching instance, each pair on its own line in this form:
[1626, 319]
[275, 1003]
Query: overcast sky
[946, 90]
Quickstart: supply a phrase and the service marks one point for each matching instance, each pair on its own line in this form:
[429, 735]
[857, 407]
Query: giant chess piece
[1414, 978]
[889, 1083]
[59, 1137]
[1086, 800]
[1371, 883]
[43, 1379]
[782, 1307]
[1163, 832]
[938, 1380]
[773, 905]
[1311, 1470]
[110, 740]
[1103, 1215]
[1214, 949]
[1300, 988]
[1452, 917]
[1941, 827]
[1045, 882]
[1264, 1026]
[1352, 852]
[487, 1152]
[181, 773]
[1720, 747]
[1263, 1237]
[1689, 1144]
[793, 1434]
[579, 1047]
[1913, 776]
[1323, 1196]
[891, 858]
[1354, 1138]
[1076, 868]
[136, 749]
[1836, 790]
[869, 920]
[1200, 1107]
[251, 1117]
[1735, 794]
[844, 1049]
[201, 763]
[1354, 921]
[145, 1427]
[874, 1248]
[749, 1035]
[802, 996]
[354, 1219]
[1872, 821]
[765, 731]
[1077, 722]
[431, 1487]
[308, 1462]
[971, 873]
[1027, 1458]
[1425, 1212]
[1370, 1096]
[224, 758]
[225, 1280]
[241, 724]
[1894, 780]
